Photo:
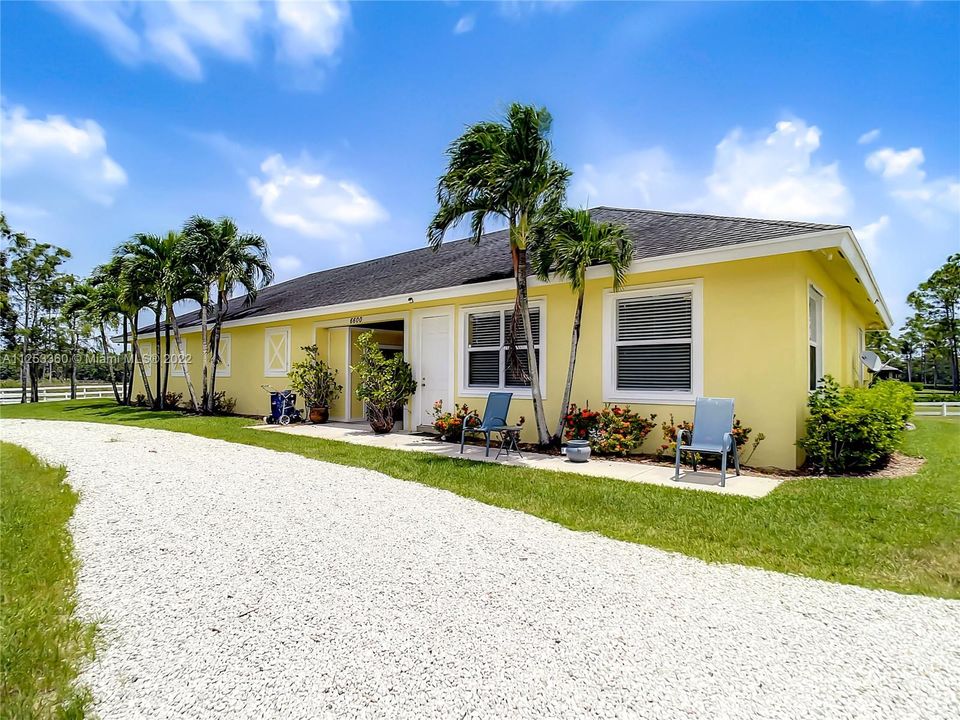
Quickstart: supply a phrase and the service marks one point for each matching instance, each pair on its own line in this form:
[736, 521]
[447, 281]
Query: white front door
[434, 365]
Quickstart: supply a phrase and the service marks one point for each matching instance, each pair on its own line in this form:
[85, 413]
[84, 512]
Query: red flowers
[614, 430]
[449, 425]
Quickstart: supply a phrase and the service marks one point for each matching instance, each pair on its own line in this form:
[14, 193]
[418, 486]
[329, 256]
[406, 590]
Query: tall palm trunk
[183, 359]
[568, 387]
[35, 372]
[127, 367]
[24, 347]
[138, 361]
[215, 354]
[108, 361]
[24, 369]
[73, 363]
[166, 357]
[954, 350]
[214, 361]
[158, 400]
[204, 332]
[955, 367]
[533, 369]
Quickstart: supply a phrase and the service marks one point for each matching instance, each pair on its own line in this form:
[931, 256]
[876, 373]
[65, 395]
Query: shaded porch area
[359, 433]
[337, 344]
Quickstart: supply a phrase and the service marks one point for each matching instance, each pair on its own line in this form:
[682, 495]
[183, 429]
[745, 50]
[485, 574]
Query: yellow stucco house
[756, 310]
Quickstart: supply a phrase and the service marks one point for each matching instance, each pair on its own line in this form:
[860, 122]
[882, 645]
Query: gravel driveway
[234, 581]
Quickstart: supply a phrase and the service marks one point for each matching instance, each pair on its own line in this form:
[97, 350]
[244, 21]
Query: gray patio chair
[494, 418]
[712, 434]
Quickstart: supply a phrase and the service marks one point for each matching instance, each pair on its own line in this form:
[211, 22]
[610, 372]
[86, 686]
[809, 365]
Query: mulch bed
[899, 465]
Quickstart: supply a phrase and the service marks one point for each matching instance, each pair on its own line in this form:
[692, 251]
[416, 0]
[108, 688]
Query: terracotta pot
[319, 414]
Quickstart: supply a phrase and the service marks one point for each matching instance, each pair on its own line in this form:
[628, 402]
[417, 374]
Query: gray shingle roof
[460, 262]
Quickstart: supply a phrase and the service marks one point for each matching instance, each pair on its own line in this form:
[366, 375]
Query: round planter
[319, 414]
[578, 451]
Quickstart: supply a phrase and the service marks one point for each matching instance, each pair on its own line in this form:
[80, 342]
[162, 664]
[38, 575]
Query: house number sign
[356, 319]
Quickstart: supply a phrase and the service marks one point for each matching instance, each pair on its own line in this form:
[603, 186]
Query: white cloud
[38, 150]
[891, 163]
[109, 22]
[644, 178]
[19, 212]
[902, 170]
[287, 263]
[286, 266]
[869, 136]
[464, 25]
[773, 175]
[868, 236]
[525, 8]
[310, 30]
[177, 33]
[312, 204]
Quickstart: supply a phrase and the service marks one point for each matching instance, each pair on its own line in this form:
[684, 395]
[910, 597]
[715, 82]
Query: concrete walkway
[360, 434]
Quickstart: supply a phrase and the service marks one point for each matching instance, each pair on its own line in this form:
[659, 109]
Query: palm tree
[162, 260]
[132, 295]
[505, 169]
[105, 307]
[178, 283]
[76, 314]
[143, 256]
[222, 259]
[567, 250]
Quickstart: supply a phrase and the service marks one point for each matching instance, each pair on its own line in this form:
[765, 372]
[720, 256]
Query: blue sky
[322, 126]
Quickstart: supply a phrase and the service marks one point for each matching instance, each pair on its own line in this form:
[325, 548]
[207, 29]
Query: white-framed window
[485, 358]
[814, 338]
[653, 344]
[226, 351]
[276, 351]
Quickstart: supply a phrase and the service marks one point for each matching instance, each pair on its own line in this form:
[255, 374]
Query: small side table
[508, 440]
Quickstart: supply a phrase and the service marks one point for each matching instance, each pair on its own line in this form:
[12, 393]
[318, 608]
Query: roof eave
[841, 237]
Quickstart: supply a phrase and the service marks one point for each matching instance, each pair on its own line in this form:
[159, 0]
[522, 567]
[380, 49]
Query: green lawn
[42, 644]
[901, 534]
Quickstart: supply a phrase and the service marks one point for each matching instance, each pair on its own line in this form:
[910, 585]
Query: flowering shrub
[741, 434]
[579, 422]
[855, 429]
[449, 425]
[612, 431]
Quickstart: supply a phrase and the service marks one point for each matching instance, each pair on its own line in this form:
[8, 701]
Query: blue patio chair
[494, 418]
[712, 434]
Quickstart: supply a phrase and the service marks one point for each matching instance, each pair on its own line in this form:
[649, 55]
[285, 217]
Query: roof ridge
[369, 260]
[677, 213]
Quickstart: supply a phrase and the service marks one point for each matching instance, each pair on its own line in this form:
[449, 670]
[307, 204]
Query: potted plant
[316, 382]
[383, 385]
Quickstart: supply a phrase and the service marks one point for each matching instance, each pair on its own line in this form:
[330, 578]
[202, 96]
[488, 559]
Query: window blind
[488, 364]
[654, 337]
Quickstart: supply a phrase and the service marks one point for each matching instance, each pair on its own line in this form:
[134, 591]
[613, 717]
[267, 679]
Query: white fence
[9, 396]
[942, 409]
